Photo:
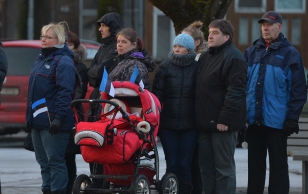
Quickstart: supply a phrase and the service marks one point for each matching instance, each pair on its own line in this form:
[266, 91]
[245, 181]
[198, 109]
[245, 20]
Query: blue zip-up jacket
[276, 85]
[52, 78]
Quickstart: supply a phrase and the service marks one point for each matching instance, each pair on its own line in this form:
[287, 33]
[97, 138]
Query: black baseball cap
[271, 17]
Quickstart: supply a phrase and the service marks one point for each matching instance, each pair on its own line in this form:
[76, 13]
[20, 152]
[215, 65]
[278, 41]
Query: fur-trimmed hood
[80, 54]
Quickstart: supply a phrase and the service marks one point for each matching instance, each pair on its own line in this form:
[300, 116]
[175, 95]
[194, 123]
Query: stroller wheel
[140, 185]
[169, 184]
[81, 183]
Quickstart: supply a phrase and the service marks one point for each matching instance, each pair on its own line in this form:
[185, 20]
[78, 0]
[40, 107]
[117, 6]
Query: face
[179, 50]
[104, 30]
[124, 45]
[70, 45]
[216, 37]
[270, 31]
[49, 39]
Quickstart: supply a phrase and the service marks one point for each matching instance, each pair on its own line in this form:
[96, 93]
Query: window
[285, 27]
[87, 19]
[290, 6]
[244, 6]
[163, 35]
[256, 29]
[296, 31]
[243, 31]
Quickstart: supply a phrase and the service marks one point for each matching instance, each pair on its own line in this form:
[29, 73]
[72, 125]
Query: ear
[280, 27]
[227, 37]
[135, 44]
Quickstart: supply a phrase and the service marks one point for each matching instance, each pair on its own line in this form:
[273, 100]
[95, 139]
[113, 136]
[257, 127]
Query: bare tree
[184, 12]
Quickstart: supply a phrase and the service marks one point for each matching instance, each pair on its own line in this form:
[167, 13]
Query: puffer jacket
[276, 86]
[52, 78]
[126, 63]
[174, 85]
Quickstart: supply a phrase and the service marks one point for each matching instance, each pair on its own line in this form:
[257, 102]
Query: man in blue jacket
[276, 94]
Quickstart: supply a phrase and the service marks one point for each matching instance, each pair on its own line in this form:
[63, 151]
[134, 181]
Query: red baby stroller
[123, 140]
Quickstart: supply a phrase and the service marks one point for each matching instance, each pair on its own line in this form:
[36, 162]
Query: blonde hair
[58, 30]
[194, 30]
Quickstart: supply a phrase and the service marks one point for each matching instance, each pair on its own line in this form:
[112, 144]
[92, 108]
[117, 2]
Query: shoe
[58, 192]
[46, 192]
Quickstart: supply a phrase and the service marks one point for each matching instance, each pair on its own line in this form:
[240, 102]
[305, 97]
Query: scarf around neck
[182, 60]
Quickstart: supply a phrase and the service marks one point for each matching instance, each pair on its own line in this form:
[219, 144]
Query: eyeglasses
[47, 37]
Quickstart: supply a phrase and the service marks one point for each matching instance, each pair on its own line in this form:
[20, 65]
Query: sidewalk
[20, 173]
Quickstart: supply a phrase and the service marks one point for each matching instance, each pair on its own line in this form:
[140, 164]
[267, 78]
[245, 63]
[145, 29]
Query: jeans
[179, 147]
[50, 155]
[262, 139]
[217, 165]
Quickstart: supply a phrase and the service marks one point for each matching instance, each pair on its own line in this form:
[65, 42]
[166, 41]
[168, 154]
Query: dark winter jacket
[221, 89]
[107, 51]
[53, 78]
[80, 54]
[174, 85]
[126, 63]
[276, 86]
[3, 66]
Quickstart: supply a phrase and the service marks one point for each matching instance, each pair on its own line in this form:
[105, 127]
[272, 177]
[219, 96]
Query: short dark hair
[73, 38]
[225, 27]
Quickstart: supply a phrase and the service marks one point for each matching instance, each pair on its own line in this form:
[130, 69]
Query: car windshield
[20, 59]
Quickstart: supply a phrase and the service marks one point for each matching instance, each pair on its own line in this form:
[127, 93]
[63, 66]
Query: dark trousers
[217, 165]
[71, 171]
[178, 147]
[196, 179]
[262, 139]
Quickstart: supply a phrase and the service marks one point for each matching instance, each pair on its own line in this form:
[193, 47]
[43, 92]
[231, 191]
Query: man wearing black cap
[276, 94]
[109, 24]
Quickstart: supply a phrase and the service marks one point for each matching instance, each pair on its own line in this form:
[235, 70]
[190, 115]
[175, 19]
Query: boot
[185, 188]
[46, 192]
[69, 187]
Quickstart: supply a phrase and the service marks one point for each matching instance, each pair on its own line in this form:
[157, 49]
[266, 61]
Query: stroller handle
[77, 101]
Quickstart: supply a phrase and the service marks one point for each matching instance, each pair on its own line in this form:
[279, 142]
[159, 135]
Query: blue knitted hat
[185, 40]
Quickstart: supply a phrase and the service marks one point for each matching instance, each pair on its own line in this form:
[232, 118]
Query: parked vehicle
[21, 55]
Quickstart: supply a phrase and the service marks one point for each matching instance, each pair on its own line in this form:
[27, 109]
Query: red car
[21, 55]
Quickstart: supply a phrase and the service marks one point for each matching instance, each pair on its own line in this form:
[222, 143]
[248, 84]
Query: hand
[290, 127]
[55, 126]
[222, 127]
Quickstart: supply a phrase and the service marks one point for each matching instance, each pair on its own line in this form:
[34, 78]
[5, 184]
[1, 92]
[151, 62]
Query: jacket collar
[215, 50]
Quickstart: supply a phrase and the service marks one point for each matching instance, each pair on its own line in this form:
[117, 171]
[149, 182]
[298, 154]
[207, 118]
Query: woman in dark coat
[49, 117]
[174, 85]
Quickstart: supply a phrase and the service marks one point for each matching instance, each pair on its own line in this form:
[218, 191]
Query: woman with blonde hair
[49, 117]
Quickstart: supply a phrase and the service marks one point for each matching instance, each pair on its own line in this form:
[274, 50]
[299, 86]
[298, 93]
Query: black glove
[55, 126]
[290, 127]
